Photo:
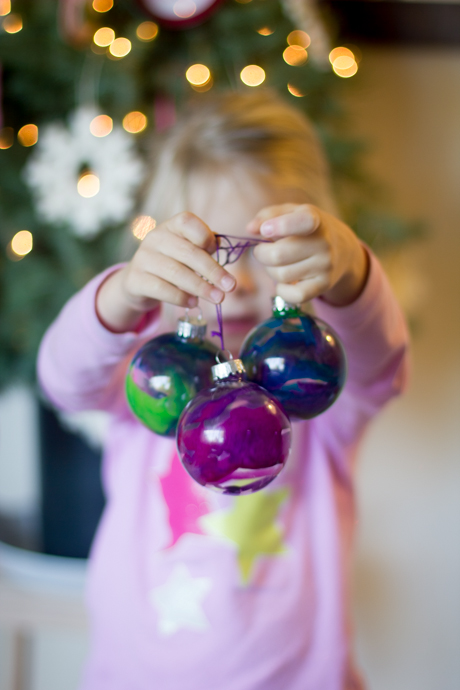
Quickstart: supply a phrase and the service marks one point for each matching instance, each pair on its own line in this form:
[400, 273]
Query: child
[188, 589]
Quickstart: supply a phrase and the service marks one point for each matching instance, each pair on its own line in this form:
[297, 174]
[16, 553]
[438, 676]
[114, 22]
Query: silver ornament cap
[233, 367]
[191, 327]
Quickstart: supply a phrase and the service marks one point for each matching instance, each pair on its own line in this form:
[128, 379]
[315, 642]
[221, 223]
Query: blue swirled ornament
[167, 372]
[298, 358]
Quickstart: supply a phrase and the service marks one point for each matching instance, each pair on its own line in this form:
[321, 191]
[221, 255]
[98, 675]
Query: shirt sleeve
[81, 364]
[376, 341]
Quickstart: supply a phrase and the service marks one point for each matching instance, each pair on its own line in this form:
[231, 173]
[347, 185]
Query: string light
[147, 31]
[134, 122]
[88, 185]
[252, 75]
[184, 8]
[5, 7]
[28, 135]
[299, 38]
[345, 72]
[294, 91]
[22, 243]
[295, 55]
[12, 23]
[199, 78]
[343, 62]
[102, 5]
[198, 75]
[6, 137]
[265, 31]
[340, 52]
[142, 225]
[120, 47]
[101, 126]
[104, 37]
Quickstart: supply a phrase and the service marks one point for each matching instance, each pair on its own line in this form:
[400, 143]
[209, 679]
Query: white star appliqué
[178, 602]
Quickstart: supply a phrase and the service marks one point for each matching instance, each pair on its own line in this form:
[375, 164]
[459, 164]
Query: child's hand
[312, 254]
[173, 264]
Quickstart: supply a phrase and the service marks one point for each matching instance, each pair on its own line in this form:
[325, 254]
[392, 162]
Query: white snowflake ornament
[63, 154]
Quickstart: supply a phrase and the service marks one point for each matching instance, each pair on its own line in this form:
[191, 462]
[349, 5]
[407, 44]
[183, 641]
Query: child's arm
[84, 354]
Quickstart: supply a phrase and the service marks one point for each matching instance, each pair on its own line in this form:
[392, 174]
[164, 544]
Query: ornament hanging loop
[189, 309]
[223, 356]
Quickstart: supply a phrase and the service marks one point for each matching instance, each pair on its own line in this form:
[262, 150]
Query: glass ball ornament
[233, 437]
[298, 358]
[167, 372]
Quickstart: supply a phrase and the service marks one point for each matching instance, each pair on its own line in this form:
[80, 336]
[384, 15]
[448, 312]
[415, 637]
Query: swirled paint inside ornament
[166, 373]
[298, 358]
[233, 437]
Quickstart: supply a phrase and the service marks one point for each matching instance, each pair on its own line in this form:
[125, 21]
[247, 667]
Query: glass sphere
[299, 360]
[164, 375]
[234, 437]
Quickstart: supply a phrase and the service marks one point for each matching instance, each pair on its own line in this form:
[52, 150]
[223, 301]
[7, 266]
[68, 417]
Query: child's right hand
[173, 264]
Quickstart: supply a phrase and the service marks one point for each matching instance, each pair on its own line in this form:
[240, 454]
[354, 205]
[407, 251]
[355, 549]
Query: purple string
[232, 252]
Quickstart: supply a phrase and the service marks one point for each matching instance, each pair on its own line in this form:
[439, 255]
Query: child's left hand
[312, 254]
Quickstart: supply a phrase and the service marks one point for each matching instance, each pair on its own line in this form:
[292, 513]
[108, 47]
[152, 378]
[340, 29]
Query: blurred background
[83, 84]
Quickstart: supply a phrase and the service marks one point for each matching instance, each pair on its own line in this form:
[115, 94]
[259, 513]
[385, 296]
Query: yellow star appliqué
[251, 525]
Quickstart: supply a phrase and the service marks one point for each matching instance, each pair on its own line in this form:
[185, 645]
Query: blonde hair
[256, 129]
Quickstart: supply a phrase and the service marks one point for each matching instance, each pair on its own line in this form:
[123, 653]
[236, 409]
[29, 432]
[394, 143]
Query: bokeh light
[22, 243]
[299, 38]
[28, 135]
[88, 185]
[341, 51]
[198, 75]
[142, 225]
[184, 8]
[101, 126]
[120, 47]
[252, 75]
[345, 71]
[102, 5]
[5, 7]
[343, 62]
[134, 122]
[104, 37]
[295, 55]
[294, 91]
[12, 23]
[6, 137]
[265, 31]
[147, 31]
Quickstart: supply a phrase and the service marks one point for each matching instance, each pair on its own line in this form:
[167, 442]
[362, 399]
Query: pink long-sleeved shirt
[191, 590]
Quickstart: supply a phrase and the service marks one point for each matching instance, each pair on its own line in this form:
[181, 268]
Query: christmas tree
[83, 84]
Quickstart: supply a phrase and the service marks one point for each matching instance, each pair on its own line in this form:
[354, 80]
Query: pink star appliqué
[185, 501]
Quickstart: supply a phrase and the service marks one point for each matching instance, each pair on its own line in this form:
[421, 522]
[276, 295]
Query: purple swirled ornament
[233, 437]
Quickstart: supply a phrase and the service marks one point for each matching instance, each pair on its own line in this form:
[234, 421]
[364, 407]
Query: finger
[193, 229]
[156, 288]
[303, 220]
[289, 250]
[302, 291]
[183, 277]
[266, 213]
[188, 254]
[302, 270]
